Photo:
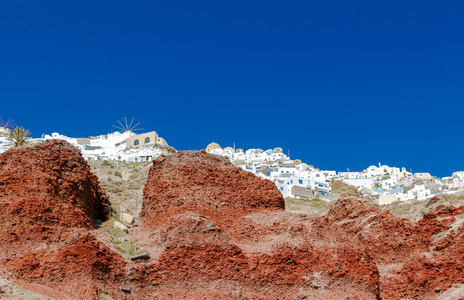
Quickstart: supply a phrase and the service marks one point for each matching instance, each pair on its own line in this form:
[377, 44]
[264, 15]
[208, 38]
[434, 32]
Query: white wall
[360, 182]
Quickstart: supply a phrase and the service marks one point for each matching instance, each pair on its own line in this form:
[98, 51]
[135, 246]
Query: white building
[4, 144]
[285, 185]
[360, 182]
[382, 170]
[250, 156]
[274, 165]
[114, 146]
[354, 175]
[388, 182]
[383, 176]
[419, 192]
[458, 176]
[388, 198]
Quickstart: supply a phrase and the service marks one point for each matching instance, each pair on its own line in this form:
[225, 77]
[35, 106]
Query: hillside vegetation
[123, 182]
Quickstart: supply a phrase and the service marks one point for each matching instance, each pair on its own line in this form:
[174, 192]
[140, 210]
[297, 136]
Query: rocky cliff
[49, 202]
[213, 231]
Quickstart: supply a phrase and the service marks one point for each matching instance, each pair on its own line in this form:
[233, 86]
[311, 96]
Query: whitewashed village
[381, 184]
[122, 145]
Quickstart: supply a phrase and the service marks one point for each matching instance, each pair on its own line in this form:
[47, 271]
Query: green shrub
[105, 297]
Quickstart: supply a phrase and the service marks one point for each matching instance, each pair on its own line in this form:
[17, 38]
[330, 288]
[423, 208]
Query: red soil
[213, 231]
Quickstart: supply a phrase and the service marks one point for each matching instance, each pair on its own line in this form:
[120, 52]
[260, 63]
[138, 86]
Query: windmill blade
[135, 127]
[118, 127]
[127, 126]
[130, 125]
[8, 123]
[125, 121]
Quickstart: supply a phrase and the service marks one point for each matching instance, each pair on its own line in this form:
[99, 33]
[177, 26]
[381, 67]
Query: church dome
[212, 146]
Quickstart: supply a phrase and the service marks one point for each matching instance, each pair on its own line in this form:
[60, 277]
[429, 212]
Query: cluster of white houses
[124, 146]
[292, 177]
[274, 165]
[299, 180]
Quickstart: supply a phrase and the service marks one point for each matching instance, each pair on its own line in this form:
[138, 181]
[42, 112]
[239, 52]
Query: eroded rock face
[418, 260]
[78, 266]
[222, 232]
[45, 186]
[211, 233]
[212, 230]
[207, 184]
[49, 201]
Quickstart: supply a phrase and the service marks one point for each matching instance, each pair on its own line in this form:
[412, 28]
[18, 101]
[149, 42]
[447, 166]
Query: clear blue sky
[338, 83]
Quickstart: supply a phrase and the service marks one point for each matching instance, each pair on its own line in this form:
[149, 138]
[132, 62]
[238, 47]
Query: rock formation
[206, 184]
[219, 231]
[49, 201]
[212, 230]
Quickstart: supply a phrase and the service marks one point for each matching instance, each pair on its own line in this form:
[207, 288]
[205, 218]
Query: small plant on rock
[17, 136]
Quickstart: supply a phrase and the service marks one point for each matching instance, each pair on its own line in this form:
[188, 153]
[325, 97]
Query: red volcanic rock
[49, 200]
[45, 187]
[322, 273]
[215, 225]
[78, 268]
[379, 231]
[417, 260]
[213, 231]
[208, 184]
